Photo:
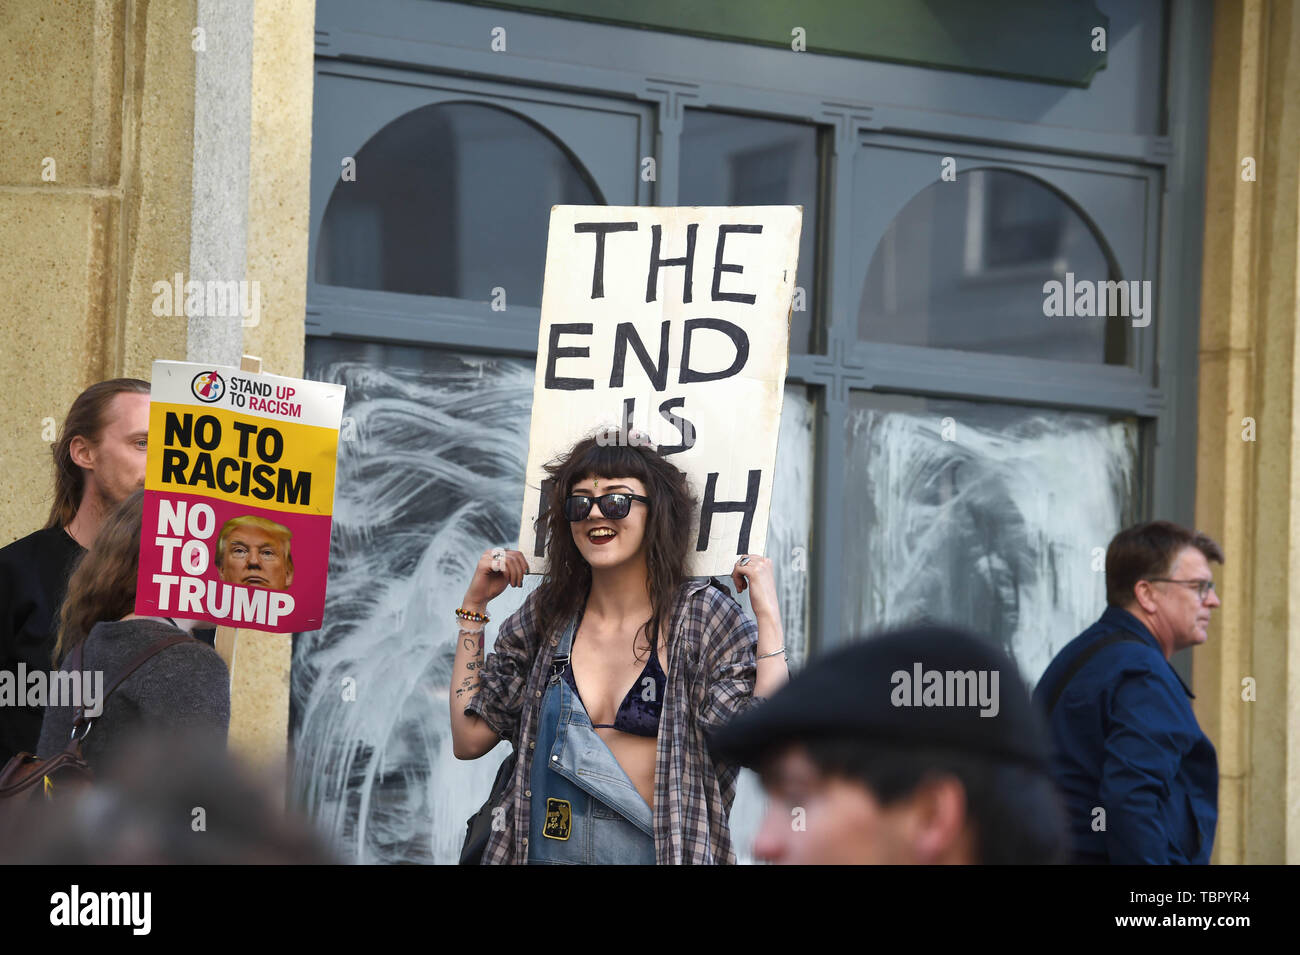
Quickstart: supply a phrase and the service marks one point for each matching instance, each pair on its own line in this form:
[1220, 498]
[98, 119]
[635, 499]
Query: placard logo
[208, 386]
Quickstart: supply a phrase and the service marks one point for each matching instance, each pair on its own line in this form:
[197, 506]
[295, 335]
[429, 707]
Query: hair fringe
[567, 582]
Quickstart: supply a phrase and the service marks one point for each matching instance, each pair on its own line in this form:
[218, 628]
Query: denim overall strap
[585, 809]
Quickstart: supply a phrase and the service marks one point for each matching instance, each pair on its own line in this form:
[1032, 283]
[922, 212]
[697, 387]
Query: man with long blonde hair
[99, 460]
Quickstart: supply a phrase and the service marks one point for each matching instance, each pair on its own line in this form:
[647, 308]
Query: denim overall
[584, 810]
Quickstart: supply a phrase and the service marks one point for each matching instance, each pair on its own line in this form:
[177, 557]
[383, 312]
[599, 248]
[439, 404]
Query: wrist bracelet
[780, 649]
[472, 615]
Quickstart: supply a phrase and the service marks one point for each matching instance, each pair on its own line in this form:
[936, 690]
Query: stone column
[146, 139]
[97, 102]
[252, 163]
[1247, 679]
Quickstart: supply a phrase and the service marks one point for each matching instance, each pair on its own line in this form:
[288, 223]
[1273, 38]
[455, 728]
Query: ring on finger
[744, 561]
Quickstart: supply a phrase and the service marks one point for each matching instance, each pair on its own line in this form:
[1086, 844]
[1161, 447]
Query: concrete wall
[172, 153]
[1248, 483]
[279, 201]
[105, 89]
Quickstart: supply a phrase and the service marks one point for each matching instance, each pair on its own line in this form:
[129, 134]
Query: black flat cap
[925, 686]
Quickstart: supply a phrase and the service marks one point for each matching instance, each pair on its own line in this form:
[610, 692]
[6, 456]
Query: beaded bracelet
[472, 615]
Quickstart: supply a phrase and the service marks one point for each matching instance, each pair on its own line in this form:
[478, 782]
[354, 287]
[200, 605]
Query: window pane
[730, 160]
[985, 516]
[430, 474]
[964, 266]
[789, 530]
[789, 535]
[453, 200]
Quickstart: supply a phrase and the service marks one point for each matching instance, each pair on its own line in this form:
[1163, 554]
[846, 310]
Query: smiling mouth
[601, 535]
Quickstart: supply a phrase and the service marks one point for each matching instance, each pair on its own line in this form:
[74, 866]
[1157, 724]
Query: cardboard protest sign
[675, 322]
[239, 497]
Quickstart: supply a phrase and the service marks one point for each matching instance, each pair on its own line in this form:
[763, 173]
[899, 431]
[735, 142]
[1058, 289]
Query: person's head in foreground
[917, 746]
[173, 797]
[254, 551]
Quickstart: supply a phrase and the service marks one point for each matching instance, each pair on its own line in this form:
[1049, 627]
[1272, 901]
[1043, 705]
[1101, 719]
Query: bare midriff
[636, 754]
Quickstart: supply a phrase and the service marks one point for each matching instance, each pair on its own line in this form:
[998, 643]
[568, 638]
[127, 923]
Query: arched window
[964, 265]
[451, 199]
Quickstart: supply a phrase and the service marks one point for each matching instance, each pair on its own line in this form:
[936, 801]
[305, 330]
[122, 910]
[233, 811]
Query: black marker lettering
[738, 339]
[710, 507]
[657, 372]
[688, 260]
[601, 229]
[554, 353]
[719, 266]
[686, 429]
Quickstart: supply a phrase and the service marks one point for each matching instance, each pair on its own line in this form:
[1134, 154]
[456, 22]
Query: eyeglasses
[613, 506]
[1203, 587]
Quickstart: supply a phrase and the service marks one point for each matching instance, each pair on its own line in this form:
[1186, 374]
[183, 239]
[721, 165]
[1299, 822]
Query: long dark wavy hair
[667, 541]
[102, 586]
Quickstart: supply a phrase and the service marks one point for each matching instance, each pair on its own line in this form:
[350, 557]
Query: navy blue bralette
[636, 715]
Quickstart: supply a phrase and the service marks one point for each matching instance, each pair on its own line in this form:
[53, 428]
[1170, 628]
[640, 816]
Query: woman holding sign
[611, 676]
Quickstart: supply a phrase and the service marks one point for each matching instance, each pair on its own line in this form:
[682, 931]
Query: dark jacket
[184, 688]
[1125, 740]
[34, 574]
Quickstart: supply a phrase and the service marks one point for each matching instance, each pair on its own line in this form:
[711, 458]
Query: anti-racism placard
[673, 322]
[239, 497]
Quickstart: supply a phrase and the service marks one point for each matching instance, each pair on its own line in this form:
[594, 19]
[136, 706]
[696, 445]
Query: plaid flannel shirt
[711, 670]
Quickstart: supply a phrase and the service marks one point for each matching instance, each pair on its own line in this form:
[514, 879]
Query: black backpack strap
[133, 665]
[1119, 636]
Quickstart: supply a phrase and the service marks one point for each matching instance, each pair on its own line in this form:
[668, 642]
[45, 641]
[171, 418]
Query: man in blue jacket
[1139, 779]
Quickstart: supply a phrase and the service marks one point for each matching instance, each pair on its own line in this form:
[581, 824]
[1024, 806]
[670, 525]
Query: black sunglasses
[614, 506]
